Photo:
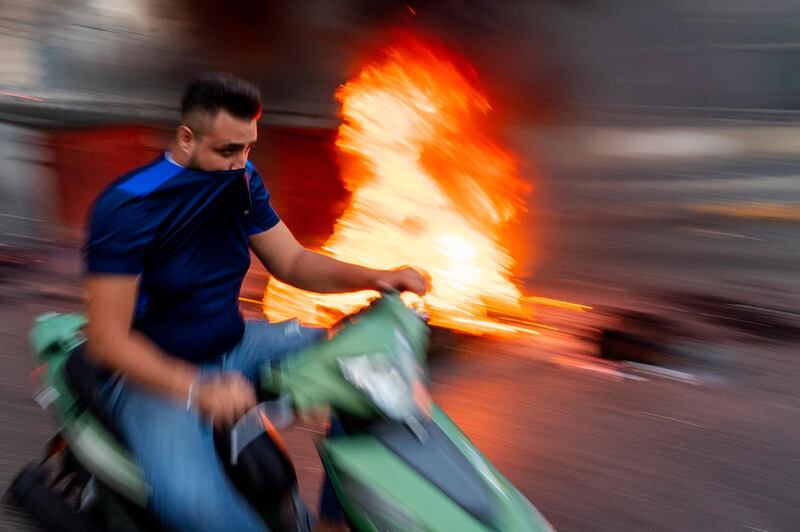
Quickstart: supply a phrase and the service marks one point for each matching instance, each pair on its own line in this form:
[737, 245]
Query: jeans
[189, 489]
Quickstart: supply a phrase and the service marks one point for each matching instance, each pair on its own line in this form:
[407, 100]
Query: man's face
[218, 142]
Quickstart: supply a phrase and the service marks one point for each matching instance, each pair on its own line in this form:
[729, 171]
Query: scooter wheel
[29, 491]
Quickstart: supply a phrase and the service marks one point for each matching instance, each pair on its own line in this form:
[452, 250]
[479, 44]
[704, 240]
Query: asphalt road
[591, 450]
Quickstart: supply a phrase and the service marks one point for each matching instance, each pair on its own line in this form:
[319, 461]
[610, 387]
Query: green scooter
[400, 465]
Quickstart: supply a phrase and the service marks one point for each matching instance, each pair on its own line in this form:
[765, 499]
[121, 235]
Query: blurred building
[71, 67]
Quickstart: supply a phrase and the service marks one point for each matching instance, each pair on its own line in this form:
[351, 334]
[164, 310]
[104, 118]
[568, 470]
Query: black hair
[212, 91]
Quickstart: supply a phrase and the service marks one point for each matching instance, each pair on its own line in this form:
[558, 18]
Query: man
[165, 257]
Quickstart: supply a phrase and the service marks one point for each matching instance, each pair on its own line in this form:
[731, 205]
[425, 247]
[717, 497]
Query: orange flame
[429, 188]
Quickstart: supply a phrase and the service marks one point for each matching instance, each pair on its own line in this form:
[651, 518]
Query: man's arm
[111, 342]
[285, 258]
[111, 300]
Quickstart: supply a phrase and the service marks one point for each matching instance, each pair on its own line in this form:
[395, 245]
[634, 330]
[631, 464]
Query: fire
[429, 189]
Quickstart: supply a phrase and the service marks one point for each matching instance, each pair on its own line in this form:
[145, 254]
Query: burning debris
[429, 188]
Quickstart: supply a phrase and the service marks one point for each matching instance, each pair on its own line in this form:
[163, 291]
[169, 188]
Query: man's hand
[224, 399]
[404, 279]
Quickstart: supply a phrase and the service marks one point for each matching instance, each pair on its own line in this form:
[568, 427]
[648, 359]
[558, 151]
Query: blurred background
[662, 142]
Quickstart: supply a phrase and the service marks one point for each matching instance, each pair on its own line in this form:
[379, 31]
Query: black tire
[29, 491]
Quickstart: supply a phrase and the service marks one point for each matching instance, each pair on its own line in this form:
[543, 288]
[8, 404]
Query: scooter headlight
[387, 378]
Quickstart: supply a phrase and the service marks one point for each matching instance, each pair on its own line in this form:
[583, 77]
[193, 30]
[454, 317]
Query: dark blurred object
[639, 337]
[754, 320]
[31, 491]
[13, 262]
[16, 259]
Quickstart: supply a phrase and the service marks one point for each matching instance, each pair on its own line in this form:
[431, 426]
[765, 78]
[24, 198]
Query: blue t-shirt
[186, 233]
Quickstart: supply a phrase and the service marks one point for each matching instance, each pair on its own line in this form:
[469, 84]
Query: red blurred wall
[298, 166]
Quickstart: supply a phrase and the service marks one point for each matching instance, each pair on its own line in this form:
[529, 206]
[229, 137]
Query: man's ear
[186, 138]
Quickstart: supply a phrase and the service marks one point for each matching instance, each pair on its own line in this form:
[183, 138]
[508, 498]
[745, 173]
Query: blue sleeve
[120, 233]
[262, 215]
